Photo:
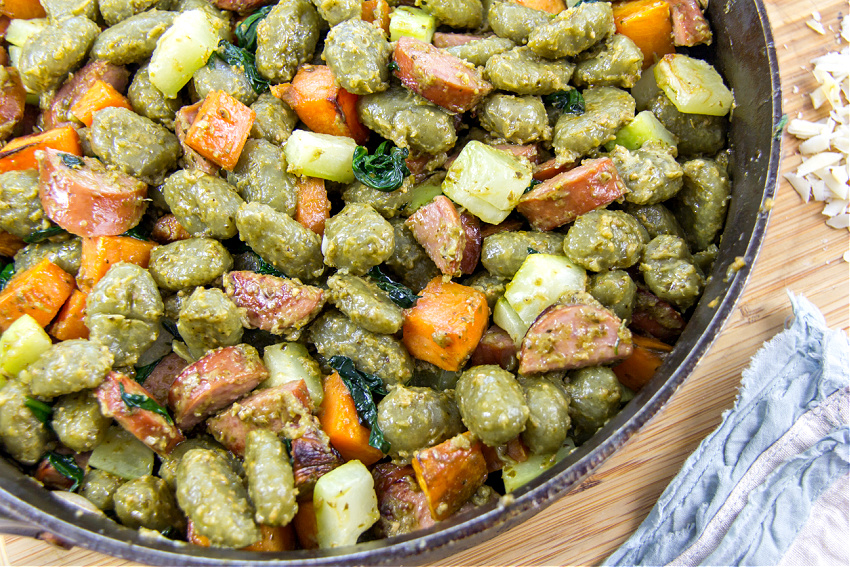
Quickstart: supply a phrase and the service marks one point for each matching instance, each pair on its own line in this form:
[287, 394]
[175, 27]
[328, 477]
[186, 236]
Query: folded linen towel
[769, 486]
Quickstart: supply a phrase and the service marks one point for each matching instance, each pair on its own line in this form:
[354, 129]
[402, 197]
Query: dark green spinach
[72, 161]
[363, 387]
[171, 327]
[40, 235]
[39, 409]
[267, 269]
[243, 59]
[401, 295]
[138, 232]
[67, 467]
[143, 402]
[384, 170]
[569, 101]
[142, 372]
[534, 183]
[246, 30]
[7, 274]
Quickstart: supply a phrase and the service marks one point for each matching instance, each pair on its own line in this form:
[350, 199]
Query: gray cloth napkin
[770, 485]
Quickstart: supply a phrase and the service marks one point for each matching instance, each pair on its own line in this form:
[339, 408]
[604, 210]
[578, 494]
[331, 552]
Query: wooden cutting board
[800, 254]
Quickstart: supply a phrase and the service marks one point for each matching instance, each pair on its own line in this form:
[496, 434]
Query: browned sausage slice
[312, 457]
[440, 77]
[151, 428]
[472, 247]
[495, 347]
[567, 196]
[437, 226]
[550, 168]
[689, 24]
[531, 152]
[268, 408]
[50, 477]
[76, 86]
[162, 377]
[510, 224]
[573, 336]
[271, 303]
[443, 39]
[402, 505]
[168, 229]
[13, 101]
[655, 317]
[214, 382]
[242, 6]
[85, 198]
[514, 451]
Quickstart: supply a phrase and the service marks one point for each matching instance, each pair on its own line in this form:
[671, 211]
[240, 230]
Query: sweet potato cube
[220, 129]
[446, 323]
[450, 473]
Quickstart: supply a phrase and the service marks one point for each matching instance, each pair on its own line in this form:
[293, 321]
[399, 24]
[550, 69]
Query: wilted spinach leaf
[401, 295]
[40, 235]
[39, 409]
[143, 402]
[67, 467]
[569, 101]
[138, 232]
[246, 31]
[534, 183]
[142, 372]
[7, 274]
[265, 268]
[171, 327]
[244, 59]
[384, 170]
[363, 387]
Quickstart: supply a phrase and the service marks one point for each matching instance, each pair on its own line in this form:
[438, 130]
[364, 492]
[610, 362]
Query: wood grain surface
[801, 254]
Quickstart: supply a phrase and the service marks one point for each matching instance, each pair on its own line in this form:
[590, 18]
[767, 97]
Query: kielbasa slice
[76, 86]
[402, 505]
[50, 477]
[312, 457]
[689, 24]
[531, 152]
[268, 408]
[13, 100]
[510, 224]
[151, 428]
[495, 347]
[214, 382]
[567, 336]
[440, 77]
[168, 229]
[437, 226]
[85, 198]
[550, 168]
[567, 196]
[242, 6]
[272, 303]
[472, 247]
[443, 39]
[161, 378]
[655, 317]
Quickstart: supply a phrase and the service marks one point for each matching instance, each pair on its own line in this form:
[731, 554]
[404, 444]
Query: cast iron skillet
[743, 51]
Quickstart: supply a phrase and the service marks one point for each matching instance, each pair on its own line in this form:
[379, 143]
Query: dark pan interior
[743, 51]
